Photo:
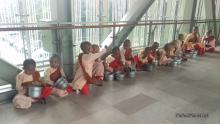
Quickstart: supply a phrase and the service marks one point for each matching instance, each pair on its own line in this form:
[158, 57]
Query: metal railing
[60, 26]
[152, 26]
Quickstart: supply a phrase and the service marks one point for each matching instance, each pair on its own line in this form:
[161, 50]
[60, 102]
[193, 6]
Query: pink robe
[56, 91]
[125, 55]
[163, 60]
[88, 61]
[114, 64]
[192, 41]
[209, 40]
[141, 61]
[98, 69]
[21, 100]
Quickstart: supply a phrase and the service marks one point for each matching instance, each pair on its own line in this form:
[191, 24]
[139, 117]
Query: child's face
[29, 70]
[181, 37]
[154, 47]
[127, 45]
[116, 54]
[55, 63]
[87, 48]
[147, 52]
[195, 30]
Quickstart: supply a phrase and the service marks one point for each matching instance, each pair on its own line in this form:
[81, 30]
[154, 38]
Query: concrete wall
[8, 72]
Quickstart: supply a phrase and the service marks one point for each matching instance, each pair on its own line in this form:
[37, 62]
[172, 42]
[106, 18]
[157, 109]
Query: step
[7, 96]
[6, 92]
[4, 85]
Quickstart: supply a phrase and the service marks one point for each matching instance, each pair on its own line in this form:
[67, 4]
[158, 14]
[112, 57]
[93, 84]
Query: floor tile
[134, 104]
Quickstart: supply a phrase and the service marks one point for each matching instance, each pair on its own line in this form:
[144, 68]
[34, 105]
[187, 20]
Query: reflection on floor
[152, 98]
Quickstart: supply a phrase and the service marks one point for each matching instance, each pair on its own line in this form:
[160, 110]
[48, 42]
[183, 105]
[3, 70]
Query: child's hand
[28, 84]
[42, 83]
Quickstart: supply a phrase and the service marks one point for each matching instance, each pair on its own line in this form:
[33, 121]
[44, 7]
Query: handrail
[98, 23]
[46, 26]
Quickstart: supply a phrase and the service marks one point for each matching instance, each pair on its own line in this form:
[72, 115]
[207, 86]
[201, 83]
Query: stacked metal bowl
[34, 91]
[61, 83]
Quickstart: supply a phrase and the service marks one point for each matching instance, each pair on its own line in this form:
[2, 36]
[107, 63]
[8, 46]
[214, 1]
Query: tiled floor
[151, 98]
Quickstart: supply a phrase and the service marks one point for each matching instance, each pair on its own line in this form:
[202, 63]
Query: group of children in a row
[90, 68]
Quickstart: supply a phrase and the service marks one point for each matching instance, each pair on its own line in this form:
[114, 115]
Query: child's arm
[122, 53]
[97, 55]
[37, 74]
[142, 58]
[62, 72]
[19, 86]
[188, 37]
[47, 77]
[107, 68]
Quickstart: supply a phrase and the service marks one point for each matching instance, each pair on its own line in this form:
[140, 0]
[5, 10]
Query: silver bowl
[120, 77]
[175, 58]
[117, 72]
[155, 63]
[132, 74]
[149, 67]
[179, 61]
[173, 63]
[109, 76]
[34, 91]
[193, 55]
[61, 83]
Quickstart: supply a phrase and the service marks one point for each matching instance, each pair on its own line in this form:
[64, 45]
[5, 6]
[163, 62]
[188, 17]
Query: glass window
[23, 44]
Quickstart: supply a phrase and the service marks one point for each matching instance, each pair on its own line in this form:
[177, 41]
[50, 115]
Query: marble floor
[187, 94]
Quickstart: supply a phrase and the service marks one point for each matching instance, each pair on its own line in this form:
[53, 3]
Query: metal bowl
[175, 58]
[155, 63]
[132, 74]
[120, 77]
[188, 55]
[109, 76]
[117, 72]
[149, 67]
[179, 61]
[173, 63]
[34, 91]
[196, 52]
[193, 55]
[61, 83]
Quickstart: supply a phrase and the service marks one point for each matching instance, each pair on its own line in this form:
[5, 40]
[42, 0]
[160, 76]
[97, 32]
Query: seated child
[144, 58]
[163, 58]
[28, 77]
[154, 47]
[53, 73]
[181, 42]
[126, 52]
[180, 47]
[177, 50]
[98, 67]
[209, 41]
[193, 41]
[84, 68]
[114, 61]
[170, 49]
